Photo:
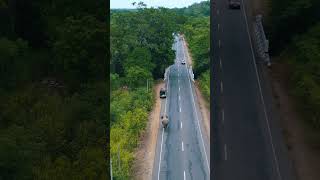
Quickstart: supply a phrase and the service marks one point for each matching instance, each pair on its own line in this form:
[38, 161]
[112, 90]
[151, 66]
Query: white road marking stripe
[220, 63]
[222, 115]
[180, 109]
[184, 175]
[225, 152]
[218, 12]
[219, 43]
[218, 26]
[182, 146]
[179, 98]
[179, 88]
[261, 96]
[221, 87]
[160, 154]
[181, 124]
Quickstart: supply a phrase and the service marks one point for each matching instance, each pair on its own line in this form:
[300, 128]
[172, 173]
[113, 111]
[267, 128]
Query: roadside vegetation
[294, 28]
[141, 50]
[53, 90]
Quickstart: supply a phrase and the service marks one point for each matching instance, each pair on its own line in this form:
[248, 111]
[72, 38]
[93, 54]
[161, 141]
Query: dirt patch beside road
[305, 158]
[204, 108]
[145, 154]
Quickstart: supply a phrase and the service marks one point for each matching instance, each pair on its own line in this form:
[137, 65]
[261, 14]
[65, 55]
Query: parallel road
[182, 149]
[247, 143]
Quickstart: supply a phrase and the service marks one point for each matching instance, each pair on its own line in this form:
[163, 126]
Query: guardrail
[262, 43]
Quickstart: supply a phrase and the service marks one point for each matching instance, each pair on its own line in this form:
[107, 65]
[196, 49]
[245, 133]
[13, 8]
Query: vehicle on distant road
[163, 93]
[234, 4]
[183, 62]
[164, 121]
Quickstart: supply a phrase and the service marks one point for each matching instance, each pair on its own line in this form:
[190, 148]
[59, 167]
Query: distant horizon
[127, 4]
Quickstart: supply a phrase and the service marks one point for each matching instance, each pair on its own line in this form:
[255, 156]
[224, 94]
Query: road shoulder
[204, 108]
[145, 153]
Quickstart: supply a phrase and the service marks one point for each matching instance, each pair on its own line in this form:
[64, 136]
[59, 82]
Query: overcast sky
[152, 3]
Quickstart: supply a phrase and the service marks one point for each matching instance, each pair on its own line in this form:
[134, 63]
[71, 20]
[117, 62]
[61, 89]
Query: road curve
[182, 149]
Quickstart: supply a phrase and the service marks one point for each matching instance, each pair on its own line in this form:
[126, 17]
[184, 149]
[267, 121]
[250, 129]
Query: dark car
[234, 4]
[163, 93]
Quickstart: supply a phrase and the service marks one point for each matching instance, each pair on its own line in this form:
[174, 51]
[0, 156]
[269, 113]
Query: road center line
[220, 64]
[261, 96]
[221, 86]
[179, 88]
[179, 98]
[218, 12]
[225, 152]
[182, 146]
[180, 124]
[184, 175]
[222, 115]
[180, 109]
[218, 26]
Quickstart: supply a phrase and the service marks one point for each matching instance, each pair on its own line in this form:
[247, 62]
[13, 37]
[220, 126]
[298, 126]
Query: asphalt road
[182, 149]
[247, 143]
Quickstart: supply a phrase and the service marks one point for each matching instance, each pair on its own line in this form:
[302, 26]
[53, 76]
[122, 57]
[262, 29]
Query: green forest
[53, 92]
[141, 49]
[294, 29]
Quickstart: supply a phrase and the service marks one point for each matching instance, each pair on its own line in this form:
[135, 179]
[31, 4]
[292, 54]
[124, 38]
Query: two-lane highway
[245, 146]
[182, 149]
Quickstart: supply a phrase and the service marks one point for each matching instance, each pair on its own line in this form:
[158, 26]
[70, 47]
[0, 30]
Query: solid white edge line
[194, 106]
[160, 154]
[261, 96]
[165, 110]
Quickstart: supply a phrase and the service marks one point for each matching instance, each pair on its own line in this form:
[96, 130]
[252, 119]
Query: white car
[183, 62]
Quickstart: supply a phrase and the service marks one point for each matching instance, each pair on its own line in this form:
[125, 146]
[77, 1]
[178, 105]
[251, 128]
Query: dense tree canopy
[53, 90]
